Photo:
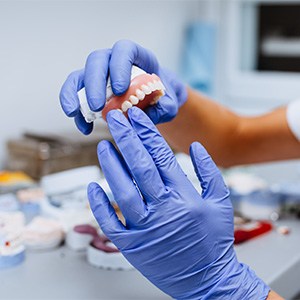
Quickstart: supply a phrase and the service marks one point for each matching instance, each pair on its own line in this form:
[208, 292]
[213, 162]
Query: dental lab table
[63, 274]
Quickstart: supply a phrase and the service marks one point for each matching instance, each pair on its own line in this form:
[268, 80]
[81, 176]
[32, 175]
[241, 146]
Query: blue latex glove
[117, 62]
[180, 240]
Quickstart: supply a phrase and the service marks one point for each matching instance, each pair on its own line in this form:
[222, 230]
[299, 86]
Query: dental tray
[41, 154]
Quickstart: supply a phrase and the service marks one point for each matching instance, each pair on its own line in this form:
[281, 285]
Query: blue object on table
[199, 56]
[8, 261]
[30, 210]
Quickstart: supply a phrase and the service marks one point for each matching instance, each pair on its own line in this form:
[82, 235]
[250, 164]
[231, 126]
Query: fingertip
[103, 146]
[164, 111]
[95, 78]
[95, 104]
[197, 149]
[194, 146]
[115, 116]
[119, 87]
[122, 59]
[69, 103]
[92, 186]
[153, 114]
[140, 121]
[82, 125]
[135, 113]
[92, 191]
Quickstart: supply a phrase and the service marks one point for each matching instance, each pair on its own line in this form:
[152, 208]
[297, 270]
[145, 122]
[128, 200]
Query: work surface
[276, 259]
[63, 274]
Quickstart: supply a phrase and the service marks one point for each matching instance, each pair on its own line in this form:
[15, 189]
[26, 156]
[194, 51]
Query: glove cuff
[240, 283]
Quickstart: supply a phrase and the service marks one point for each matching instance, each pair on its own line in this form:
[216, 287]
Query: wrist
[239, 282]
[273, 296]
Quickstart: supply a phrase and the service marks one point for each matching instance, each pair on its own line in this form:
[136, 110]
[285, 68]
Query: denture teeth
[125, 106]
[155, 100]
[162, 86]
[156, 85]
[151, 86]
[134, 100]
[140, 94]
[120, 110]
[146, 89]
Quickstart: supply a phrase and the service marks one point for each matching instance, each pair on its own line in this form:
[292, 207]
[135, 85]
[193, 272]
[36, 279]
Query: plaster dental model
[8, 202]
[12, 251]
[144, 90]
[80, 237]
[67, 198]
[30, 200]
[101, 252]
[104, 254]
[43, 233]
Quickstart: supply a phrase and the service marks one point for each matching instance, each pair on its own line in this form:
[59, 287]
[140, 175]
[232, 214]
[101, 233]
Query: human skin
[273, 296]
[229, 138]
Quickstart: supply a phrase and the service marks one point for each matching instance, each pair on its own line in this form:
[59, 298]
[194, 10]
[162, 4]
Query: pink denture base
[115, 102]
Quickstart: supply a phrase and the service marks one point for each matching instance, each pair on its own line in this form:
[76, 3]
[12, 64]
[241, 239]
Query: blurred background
[245, 54]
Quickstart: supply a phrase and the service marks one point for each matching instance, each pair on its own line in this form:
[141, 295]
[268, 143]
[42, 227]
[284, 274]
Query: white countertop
[63, 274]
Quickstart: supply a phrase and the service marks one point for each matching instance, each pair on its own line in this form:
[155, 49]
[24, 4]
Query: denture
[144, 90]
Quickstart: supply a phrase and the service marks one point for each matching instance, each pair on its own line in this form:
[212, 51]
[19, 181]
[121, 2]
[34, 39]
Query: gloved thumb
[210, 177]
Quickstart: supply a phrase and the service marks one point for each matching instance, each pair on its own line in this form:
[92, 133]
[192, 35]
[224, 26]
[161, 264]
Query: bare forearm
[273, 296]
[231, 139]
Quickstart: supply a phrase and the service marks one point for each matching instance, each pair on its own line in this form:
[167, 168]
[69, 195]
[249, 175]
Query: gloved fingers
[121, 184]
[164, 110]
[95, 78]
[210, 177]
[104, 212]
[124, 54]
[68, 95]
[82, 125]
[157, 147]
[137, 158]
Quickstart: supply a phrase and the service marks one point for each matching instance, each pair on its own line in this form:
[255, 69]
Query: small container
[13, 259]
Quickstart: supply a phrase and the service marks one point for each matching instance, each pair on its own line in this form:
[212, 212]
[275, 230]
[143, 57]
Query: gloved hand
[117, 62]
[180, 240]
